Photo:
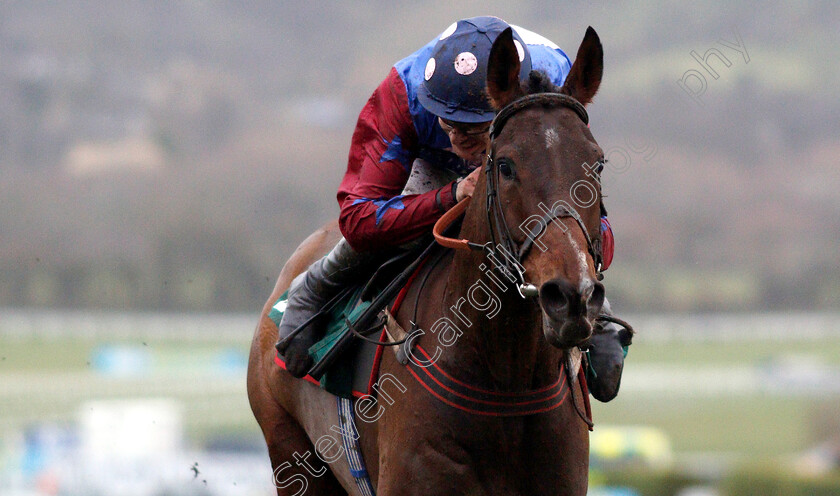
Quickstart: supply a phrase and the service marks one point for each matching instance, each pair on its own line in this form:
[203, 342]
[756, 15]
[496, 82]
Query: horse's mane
[539, 82]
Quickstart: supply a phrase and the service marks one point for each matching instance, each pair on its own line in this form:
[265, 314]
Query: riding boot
[308, 293]
[605, 357]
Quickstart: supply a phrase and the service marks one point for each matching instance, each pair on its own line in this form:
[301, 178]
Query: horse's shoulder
[430, 280]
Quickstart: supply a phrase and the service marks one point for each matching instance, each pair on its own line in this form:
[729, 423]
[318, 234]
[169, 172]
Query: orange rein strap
[446, 220]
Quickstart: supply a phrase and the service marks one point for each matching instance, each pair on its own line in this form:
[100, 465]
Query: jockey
[421, 126]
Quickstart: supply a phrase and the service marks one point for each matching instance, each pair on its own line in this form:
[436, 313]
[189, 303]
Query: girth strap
[350, 442]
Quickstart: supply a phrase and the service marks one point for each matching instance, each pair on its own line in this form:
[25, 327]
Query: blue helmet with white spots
[455, 75]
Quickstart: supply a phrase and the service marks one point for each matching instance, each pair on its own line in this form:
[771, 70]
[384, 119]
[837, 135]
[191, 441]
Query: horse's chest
[486, 458]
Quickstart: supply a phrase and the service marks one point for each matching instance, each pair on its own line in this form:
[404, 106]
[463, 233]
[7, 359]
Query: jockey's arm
[373, 213]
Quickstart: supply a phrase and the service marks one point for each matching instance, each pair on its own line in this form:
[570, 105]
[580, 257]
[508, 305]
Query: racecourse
[757, 385]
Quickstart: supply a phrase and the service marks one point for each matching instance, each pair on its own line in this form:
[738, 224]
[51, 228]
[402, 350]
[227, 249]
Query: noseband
[500, 234]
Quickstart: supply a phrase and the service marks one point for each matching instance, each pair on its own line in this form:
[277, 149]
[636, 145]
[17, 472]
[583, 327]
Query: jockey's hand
[467, 185]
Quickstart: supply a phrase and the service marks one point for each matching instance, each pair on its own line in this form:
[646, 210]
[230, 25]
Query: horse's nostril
[554, 300]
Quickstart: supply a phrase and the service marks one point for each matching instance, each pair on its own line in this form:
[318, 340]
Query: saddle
[346, 360]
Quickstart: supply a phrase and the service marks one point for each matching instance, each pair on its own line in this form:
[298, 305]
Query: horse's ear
[625, 337]
[585, 76]
[503, 71]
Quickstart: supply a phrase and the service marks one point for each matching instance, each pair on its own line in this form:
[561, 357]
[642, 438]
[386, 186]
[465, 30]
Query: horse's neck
[502, 346]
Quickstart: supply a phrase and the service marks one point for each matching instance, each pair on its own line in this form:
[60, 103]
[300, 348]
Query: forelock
[539, 82]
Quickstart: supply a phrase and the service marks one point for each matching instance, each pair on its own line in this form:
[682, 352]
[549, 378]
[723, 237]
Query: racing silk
[392, 131]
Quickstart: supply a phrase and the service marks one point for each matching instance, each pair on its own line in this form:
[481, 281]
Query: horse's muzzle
[570, 311]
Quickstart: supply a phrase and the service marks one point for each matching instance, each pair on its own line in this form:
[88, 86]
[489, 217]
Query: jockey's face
[469, 141]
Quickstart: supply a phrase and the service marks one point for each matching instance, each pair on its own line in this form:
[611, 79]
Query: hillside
[171, 155]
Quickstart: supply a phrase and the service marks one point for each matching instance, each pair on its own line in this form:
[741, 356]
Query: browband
[546, 99]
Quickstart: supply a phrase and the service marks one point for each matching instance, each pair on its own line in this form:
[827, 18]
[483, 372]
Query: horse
[495, 348]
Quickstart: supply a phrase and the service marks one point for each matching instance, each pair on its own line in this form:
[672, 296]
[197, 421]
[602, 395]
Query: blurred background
[159, 161]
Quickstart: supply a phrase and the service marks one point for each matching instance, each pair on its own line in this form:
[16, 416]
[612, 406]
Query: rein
[499, 229]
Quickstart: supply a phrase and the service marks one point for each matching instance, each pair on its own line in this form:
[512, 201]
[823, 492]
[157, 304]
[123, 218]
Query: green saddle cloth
[338, 380]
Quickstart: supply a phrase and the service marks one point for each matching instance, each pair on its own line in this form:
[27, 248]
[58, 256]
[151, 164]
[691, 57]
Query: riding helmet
[455, 75]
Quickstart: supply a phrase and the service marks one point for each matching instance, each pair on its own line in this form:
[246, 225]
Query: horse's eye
[506, 168]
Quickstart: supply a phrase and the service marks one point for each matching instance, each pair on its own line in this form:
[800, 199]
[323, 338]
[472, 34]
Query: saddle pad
[350, 374]
[356, 369]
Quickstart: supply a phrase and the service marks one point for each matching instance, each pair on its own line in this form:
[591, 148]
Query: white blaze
[580, 255]
[551, 137]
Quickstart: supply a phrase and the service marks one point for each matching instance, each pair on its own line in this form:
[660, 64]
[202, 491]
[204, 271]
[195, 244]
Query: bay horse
[496, 345]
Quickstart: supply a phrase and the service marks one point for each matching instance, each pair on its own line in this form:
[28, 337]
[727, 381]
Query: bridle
[510, 261]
